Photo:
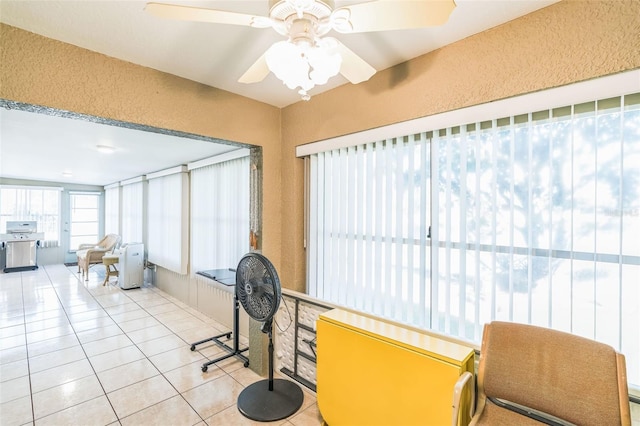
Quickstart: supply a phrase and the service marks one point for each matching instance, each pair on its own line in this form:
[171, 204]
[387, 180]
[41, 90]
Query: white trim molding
[571, 94]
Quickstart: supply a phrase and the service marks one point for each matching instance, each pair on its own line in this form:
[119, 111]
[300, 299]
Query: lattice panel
[295, 338]
[285, 335]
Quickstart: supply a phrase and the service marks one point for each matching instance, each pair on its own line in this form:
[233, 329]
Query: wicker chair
[534, 375]
[91, 254]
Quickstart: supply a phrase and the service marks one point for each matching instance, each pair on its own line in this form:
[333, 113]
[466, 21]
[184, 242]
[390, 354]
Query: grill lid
[22, 226]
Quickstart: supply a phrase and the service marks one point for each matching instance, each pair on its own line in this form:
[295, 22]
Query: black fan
[258, 290]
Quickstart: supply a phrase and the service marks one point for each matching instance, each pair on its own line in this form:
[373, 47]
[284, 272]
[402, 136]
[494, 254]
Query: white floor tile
[88, 354]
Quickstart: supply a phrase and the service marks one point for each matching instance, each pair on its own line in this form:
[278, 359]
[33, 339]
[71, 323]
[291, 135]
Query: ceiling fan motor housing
[282, 9]
[304, 20]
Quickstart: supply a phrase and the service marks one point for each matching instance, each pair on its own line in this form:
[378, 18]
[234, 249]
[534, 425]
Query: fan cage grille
[258, 287]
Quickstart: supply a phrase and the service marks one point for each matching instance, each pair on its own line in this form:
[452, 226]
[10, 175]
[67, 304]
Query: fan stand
[270, 399]
[232, 351]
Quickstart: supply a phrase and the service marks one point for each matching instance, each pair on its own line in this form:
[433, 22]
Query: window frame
[47, 242]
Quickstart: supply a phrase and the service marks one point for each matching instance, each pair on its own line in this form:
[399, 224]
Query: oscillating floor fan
[259, 292]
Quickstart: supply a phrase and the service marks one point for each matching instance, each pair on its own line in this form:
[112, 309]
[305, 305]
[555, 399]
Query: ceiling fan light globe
[305, 83]
[329, 44]
[320, 75]
[287, 61]
[281, 55]
[304, 95]
[324, 60]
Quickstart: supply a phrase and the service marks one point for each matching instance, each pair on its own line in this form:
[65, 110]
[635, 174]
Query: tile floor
[83, 354]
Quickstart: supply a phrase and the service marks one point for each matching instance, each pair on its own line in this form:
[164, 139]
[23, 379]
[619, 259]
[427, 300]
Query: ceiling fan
[307, 58]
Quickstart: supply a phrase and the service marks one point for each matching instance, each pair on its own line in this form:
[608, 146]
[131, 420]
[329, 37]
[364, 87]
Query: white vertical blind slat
[313, 212]
[361, 218]
[397, 311]
[411, 227]
[424, 304]
[435, 233]
[478, 230]
[388, 227]
[462, 225]
[494, 200]
[511, 218]
[370, 266]
[352, 235]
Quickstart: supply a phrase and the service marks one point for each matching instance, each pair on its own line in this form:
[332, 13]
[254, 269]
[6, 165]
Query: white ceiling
[43, 147]
[212, 54]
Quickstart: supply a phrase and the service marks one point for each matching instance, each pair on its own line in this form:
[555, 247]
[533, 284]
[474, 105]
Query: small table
[226, 277]
[109, 261]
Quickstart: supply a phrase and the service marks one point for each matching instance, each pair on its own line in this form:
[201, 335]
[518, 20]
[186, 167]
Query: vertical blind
[168, 229]
[532, 218]
[112, 209]
[133, 212]
[219, 214]
[369, 221]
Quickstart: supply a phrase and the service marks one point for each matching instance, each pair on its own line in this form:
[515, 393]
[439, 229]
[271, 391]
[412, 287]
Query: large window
[531, 218]
[32, 203]
[219, 211]
[85, 217]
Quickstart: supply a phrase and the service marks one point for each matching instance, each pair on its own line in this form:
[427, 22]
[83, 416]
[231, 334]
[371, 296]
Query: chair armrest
[86, 246]
[464, 381]
[96, 254]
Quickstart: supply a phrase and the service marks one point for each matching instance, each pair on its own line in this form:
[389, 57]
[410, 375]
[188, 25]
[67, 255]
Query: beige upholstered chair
[91, 254]
[567, 378]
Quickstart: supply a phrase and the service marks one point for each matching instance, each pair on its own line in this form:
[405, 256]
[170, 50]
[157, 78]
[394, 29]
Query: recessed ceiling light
[105, 149]
[67, 174]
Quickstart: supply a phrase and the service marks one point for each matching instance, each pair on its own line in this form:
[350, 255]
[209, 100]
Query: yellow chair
[91, 254]
[527, 371]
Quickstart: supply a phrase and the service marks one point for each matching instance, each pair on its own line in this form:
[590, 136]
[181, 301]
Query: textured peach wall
[567, 42]
[41, 71]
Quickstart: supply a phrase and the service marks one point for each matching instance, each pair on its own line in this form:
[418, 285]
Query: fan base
[258, 403]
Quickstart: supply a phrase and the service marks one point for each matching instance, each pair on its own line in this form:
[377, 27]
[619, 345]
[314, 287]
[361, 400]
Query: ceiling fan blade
[353, 67]
[386, 15]
[256, 72]
[188, 13]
